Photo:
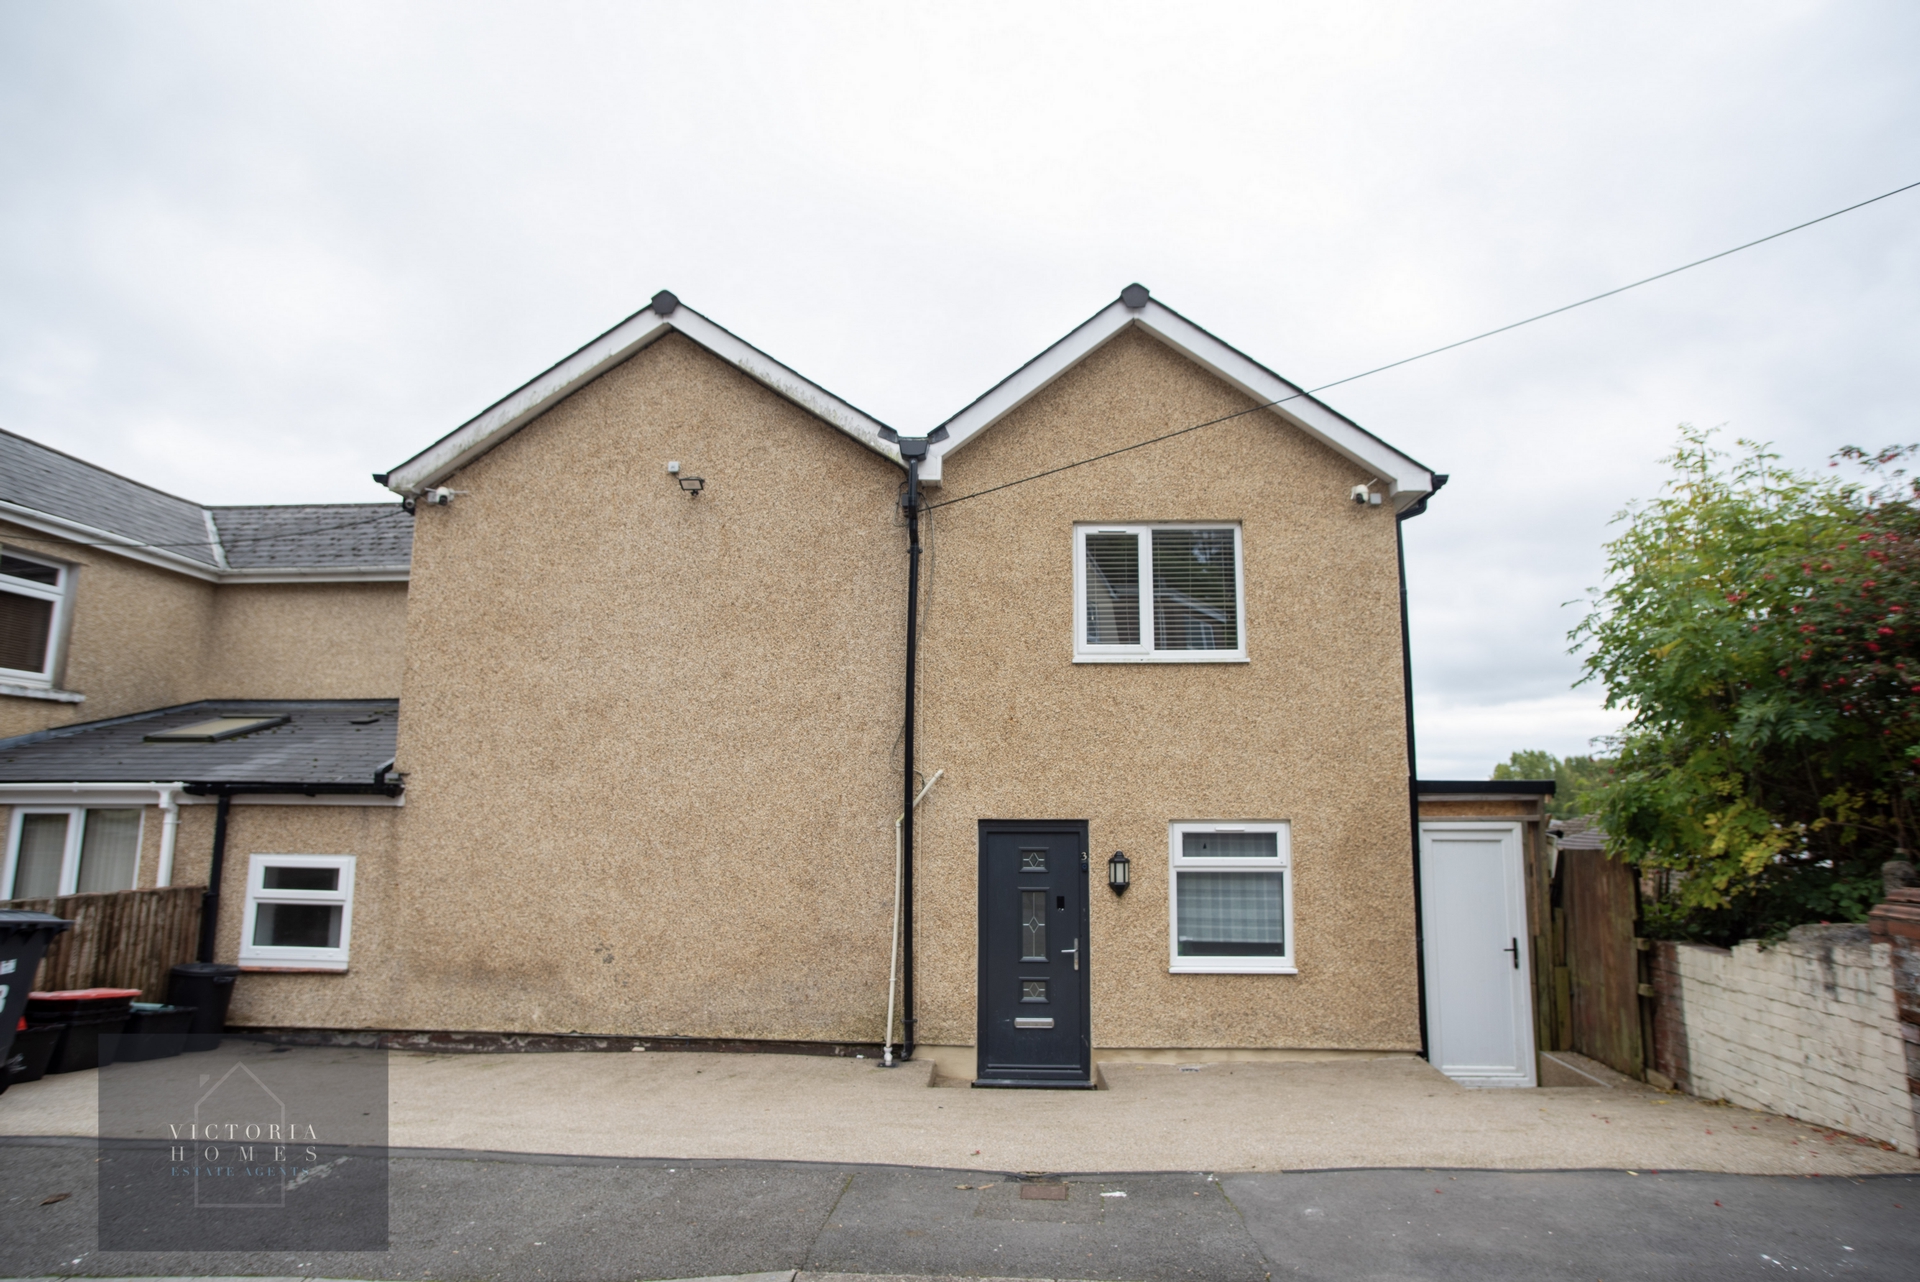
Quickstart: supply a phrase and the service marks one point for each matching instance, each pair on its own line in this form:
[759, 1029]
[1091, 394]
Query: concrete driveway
[1388, 1112]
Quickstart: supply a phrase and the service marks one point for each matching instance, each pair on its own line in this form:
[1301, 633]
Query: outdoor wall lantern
[1117, 876]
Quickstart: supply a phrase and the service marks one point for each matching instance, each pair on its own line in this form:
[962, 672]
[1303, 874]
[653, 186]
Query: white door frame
[1524, 1073]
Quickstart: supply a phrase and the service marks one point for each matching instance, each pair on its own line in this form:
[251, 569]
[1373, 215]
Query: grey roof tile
[33, 476]
[295, 536]
[315, 535]
[323, 741]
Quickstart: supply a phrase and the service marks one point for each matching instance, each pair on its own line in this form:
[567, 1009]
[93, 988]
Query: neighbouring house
[127, 615]
[647, 626]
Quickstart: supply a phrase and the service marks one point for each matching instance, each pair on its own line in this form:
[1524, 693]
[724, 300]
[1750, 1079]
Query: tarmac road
[522, 1218]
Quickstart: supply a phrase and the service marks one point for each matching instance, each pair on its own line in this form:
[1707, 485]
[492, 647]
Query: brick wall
[1809, 1028]
[1896, 924]
[1668, 1059]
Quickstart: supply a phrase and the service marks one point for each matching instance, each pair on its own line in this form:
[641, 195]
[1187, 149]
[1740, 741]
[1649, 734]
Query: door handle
[1513, 948]
[1075, 950]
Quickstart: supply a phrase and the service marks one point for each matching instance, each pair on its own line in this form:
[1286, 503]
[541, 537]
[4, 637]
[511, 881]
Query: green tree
[1574, 777]
[1757, 625]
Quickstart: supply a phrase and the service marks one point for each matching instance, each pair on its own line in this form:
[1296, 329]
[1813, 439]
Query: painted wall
[315, 1000]
[1310, 730]
[1807, 1027]
[649, 739]
[143, 637]
[305, 641]
[136, 638]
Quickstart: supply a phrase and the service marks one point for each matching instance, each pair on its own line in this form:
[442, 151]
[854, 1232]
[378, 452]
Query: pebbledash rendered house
[613, 737]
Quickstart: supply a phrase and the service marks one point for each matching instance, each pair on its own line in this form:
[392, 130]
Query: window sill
[13, 689]
[309, 968]
[1200, 656]
[1230, 968]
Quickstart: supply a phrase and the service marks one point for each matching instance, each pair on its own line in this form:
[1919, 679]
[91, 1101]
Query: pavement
[535, 1167]
[522, 1218]
[1388, 1112]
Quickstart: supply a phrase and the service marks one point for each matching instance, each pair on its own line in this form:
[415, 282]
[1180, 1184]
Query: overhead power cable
[1434, 351]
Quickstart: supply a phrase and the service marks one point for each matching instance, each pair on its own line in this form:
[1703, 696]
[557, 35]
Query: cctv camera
[440, 497]
[1360, 494]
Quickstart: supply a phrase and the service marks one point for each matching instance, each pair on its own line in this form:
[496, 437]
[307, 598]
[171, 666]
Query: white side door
[1474, 915]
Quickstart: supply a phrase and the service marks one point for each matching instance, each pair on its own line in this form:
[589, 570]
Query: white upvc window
[1158, 592]
[33, 612]
[299, 912]
[67, 850]
[1230, 900]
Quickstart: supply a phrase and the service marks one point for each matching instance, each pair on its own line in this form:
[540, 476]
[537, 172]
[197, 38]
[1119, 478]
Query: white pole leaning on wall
[169, 833]
[893, 954]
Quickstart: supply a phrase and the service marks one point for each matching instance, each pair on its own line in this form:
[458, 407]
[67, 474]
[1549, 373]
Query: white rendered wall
[1807, 1028]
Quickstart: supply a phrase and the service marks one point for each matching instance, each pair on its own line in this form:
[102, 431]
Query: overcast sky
[255, 252]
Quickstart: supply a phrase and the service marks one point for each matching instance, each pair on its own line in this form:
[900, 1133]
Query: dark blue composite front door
[1033, 954]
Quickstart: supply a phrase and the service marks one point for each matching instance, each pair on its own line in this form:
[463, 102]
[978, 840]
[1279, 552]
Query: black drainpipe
[1413, 763]
[907, 1019]
[210, 901]
[912, 450]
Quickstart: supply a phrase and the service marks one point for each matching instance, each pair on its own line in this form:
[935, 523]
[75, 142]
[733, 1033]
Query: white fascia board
[300, 799]
[107, 541]
[1407, 480]
[320, 574]
[505, 417]
[73, 794]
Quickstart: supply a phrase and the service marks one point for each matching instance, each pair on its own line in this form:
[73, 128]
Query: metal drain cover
[1043, 1192]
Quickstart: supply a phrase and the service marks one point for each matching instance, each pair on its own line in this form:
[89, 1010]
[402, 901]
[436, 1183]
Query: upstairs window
[32, 603]
[1158, 594]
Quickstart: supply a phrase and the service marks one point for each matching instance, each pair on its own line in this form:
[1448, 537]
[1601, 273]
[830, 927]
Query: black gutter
[1413, 762]
[216, 870]
[297, 789]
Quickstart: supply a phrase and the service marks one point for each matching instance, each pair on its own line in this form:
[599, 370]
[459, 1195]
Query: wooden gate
[1599, 898]
[122, 939]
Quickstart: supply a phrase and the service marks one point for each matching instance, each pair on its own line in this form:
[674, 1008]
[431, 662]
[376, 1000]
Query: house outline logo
[199, 1170]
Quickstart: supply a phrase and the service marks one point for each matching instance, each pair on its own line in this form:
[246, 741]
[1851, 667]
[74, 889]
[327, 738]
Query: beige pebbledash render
[652, 725]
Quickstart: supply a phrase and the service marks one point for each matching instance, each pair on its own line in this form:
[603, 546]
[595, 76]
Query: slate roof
[33, 476]
[324, 741]
[315, 536]
[299, 536]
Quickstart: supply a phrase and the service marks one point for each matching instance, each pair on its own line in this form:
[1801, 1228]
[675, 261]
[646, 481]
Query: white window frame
[1083, 652]
[266, 957]
[70, 857]
[1282, 862]
[56, 628]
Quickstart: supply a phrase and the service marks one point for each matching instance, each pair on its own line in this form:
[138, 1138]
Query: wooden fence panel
[1599, 898]
[123, 939]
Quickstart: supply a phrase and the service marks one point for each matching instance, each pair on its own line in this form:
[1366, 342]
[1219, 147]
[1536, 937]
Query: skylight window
[215, 730]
